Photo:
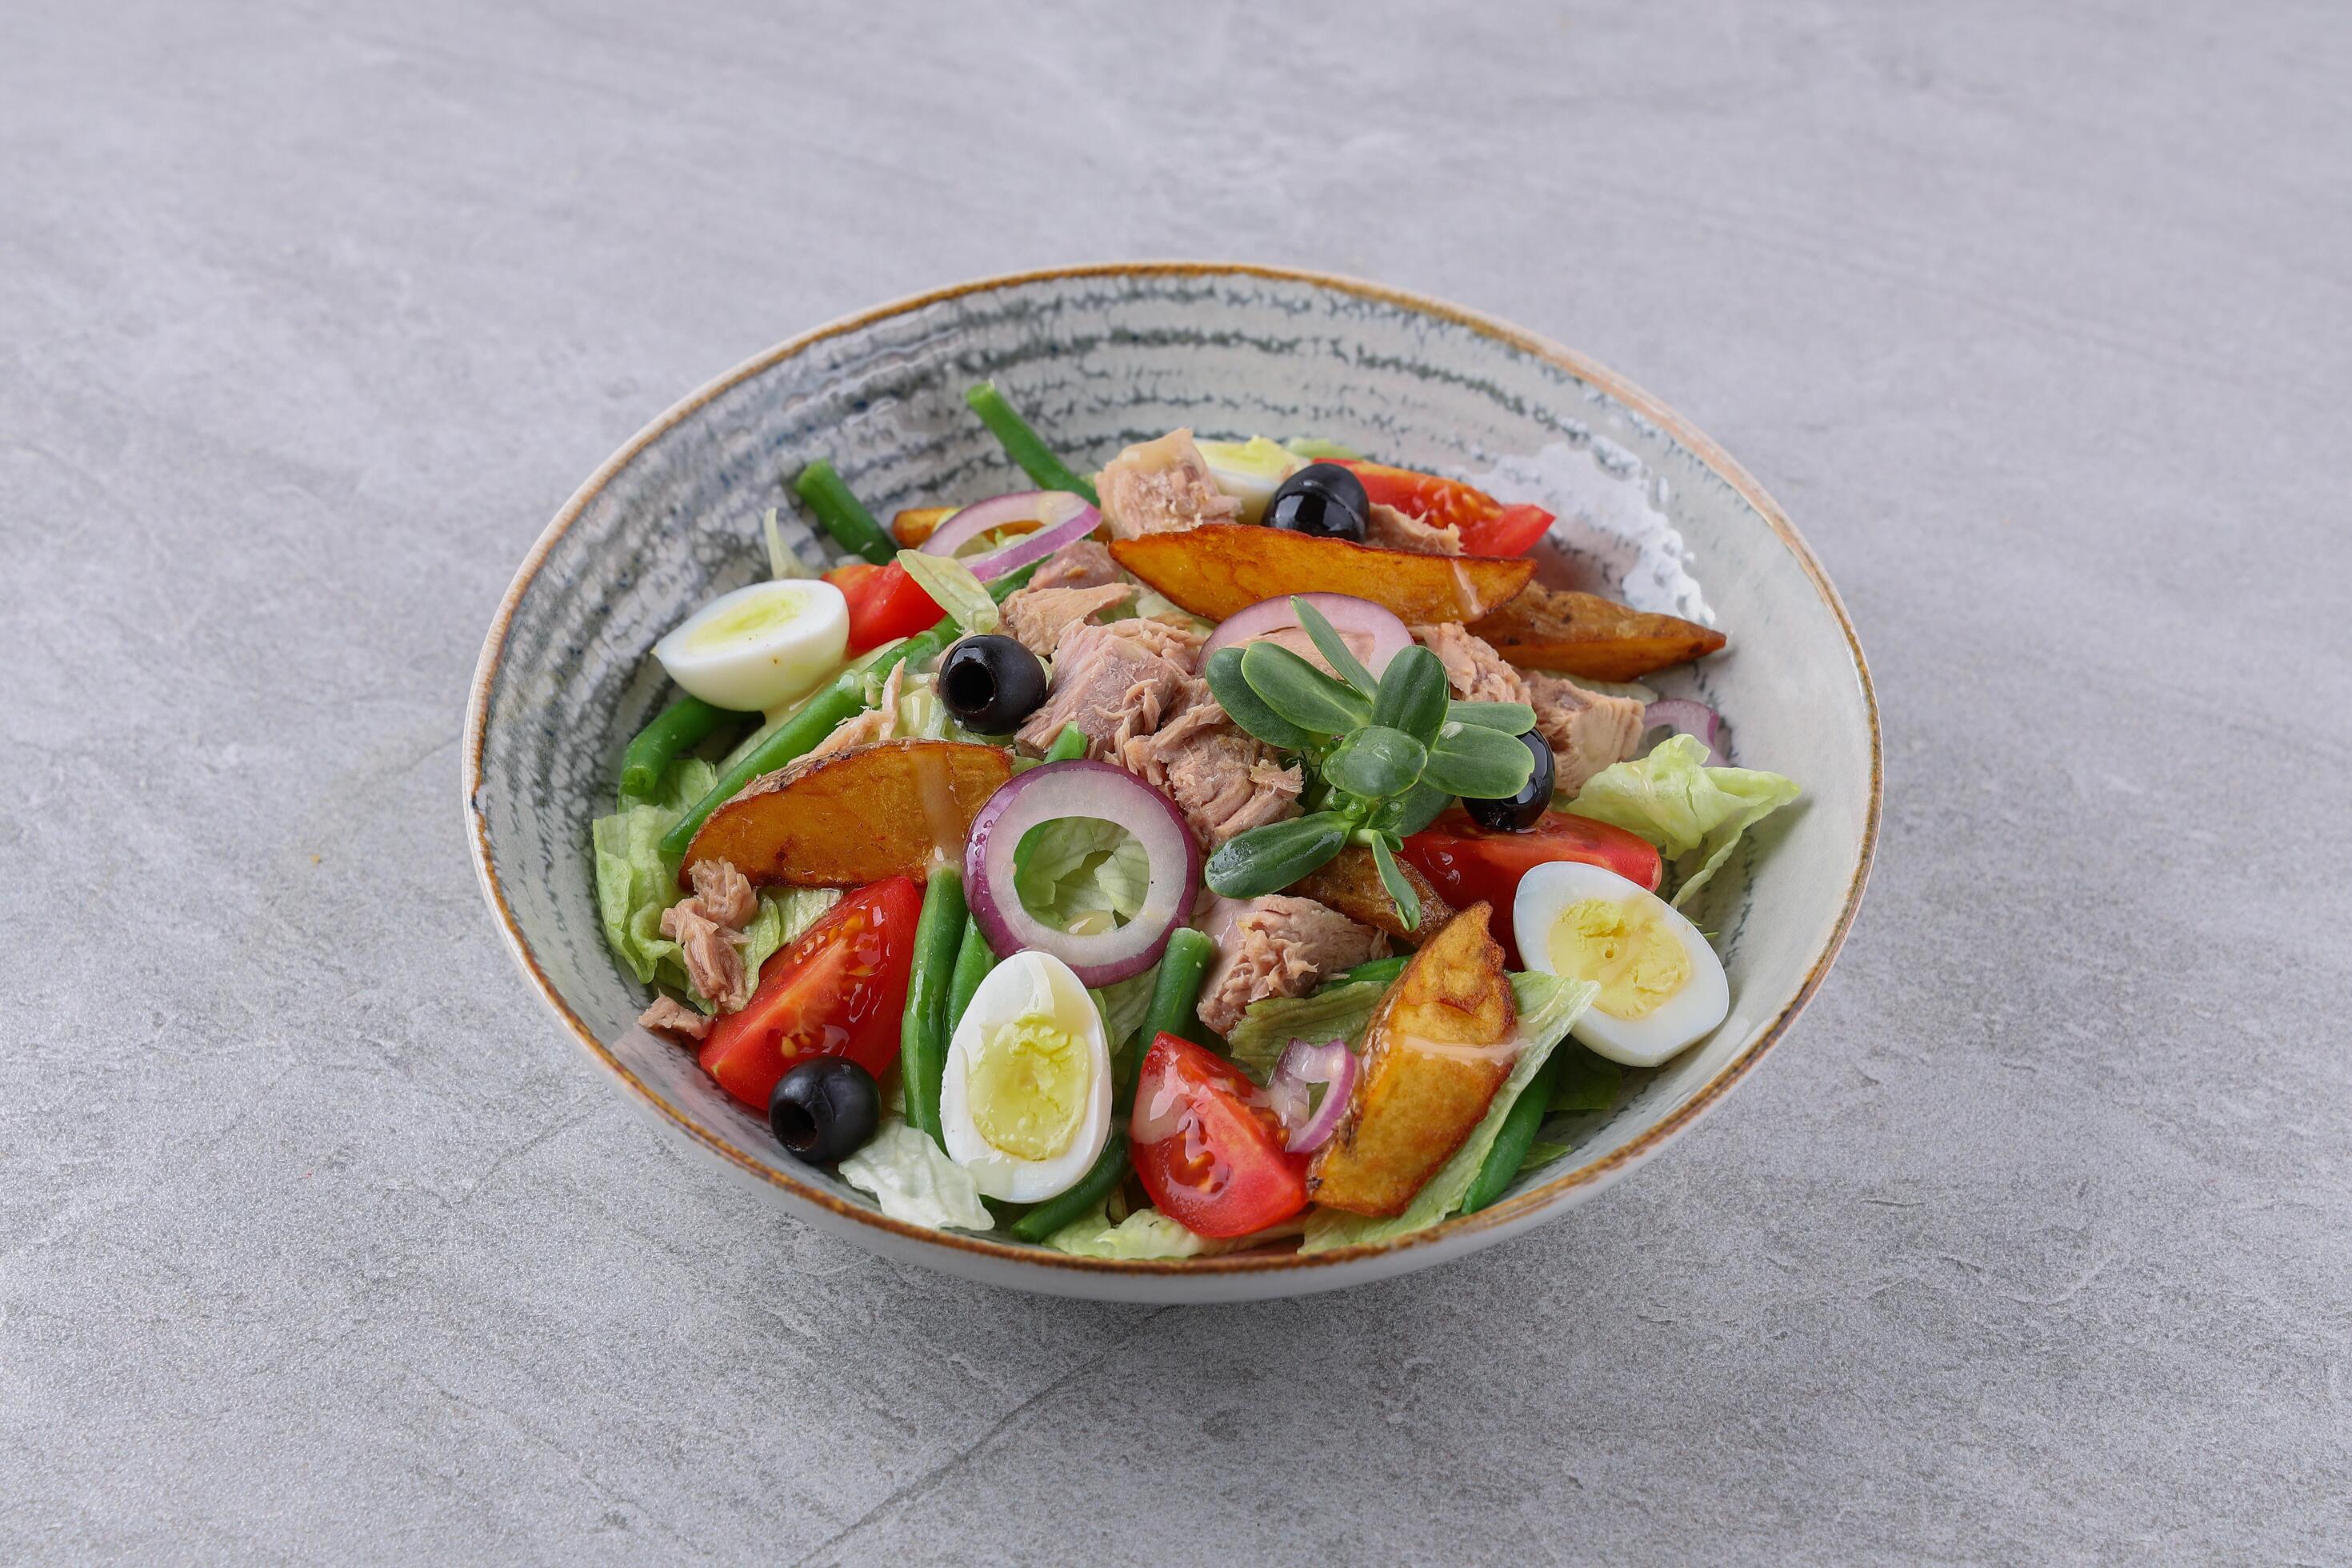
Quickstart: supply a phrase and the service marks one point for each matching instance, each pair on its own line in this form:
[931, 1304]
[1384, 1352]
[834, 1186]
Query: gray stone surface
[316, 1240]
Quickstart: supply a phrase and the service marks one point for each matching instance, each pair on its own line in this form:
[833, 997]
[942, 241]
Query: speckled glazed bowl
[1650, 511]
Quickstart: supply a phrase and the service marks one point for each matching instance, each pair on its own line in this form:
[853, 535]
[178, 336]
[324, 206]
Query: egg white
[799, 645]
[1689, 1015]
[1023, 984]
[1250, 476]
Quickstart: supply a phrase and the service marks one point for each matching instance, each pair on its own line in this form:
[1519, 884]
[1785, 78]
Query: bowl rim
[1513, 1213]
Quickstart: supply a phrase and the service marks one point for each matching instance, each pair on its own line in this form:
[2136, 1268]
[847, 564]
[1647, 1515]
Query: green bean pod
[819, 717]
[922, 1028]
[1073, 1203]
[843, 514]
[1024, 446]
[683, 725]
[1511, 1143]
[1176, 995]
[975, 958]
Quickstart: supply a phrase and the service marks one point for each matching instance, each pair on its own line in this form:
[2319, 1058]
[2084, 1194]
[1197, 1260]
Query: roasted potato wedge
[914, 525]
[1584, 634]
[1350, 883]
[1436, 1051]
[854, 817]
[1222, 567]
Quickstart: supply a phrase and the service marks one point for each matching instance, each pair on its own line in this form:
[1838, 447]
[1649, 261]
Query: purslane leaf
[1246, 707]
[1301, 693]
[1510, 718]
[1478, 764]
[1400, 889]
[1376, 763]
[1413, 696]
[1266, 859]
[1326, 638]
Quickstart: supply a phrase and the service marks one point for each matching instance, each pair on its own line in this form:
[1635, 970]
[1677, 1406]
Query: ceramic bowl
[1651, 510]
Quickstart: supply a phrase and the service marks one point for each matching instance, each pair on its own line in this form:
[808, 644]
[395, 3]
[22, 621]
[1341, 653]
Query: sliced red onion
[1062, 517]
[1346, 613]
[1686, 717]
[1291, 1090]
[1102, 791]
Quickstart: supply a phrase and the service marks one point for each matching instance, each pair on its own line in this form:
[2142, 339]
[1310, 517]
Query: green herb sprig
[1386, 755]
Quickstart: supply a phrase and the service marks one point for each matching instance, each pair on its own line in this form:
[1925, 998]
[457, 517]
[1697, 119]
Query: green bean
[1384, 970]
[1069, 1206]
[1013, 581]
[844, 515]
[1068, 746]
[1510, 1147]
[1024, 446]
[798, 736]
[1176, 992]
[975, 958]
[683, 725]
[922, 1030]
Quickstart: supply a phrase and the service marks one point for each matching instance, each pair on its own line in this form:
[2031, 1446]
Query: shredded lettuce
[1123, 1004]
[1081, 872]
[1541, 1153]
[962, 596]
[1693, 813]
[781, 561]
[1585, 1081]
[1148, 1233]
[1341, 1012]
[634, 885]
[913, 1180]
[1548, 1006]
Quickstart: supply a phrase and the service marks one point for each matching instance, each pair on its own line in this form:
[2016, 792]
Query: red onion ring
[1290, 1091]
[1105, 793]
[1064, 518]
[1686, 717]
[1344, 611]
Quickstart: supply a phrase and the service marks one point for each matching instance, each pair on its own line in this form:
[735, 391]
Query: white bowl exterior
[1096, 359]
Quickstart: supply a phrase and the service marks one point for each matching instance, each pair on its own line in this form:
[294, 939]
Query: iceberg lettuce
[1693, 813]
[913, 1180]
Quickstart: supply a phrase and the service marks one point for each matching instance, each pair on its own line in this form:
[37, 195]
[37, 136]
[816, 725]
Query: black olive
[825, 1109]
[1324, 500]
[991, 683]
[1525, 809]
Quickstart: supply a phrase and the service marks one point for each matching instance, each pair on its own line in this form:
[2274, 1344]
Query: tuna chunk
[724, 893]
[1224, 780]
[709, 948]
[1278, 945]
[1162, 486]
[1036, 617]
[1586, 732]
[1393, 530]
[1081, 563]
[1114, 682]
[668, 1015]
[1475, 671]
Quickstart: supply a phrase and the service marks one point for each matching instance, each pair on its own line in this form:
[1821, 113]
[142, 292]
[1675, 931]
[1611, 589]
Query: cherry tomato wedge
[1208, 1152]
[1469, 863]
[840, 990]
[1488, 527]
[885, 604]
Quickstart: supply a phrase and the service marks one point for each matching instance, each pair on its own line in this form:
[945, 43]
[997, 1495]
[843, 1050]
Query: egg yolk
[1628, 947]
[748, 621]
[1027, 1086]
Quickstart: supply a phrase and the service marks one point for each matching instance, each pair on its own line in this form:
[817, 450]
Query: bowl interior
[1649, 512]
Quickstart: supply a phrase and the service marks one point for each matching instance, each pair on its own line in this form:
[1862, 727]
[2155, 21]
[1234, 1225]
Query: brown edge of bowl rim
[1524, 1205]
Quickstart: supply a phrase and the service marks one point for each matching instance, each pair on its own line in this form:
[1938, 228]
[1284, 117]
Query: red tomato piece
[885, 604]
[1469, 863]
[840, 990]
[1488, 527]
[1208, 1150]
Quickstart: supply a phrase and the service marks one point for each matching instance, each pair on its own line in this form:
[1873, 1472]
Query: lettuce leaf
[1693, 813]
[1148, 1233]
[634, 885]
[1341, 1012]
[1585, 1081]
[1123, 1004]
[1548, 1006]
[913, 1180]
[962, 596]
[1081, 869]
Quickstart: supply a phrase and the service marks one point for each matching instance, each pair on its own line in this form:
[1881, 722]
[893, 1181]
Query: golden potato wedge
[1584, 634]
[1222, 567]
[1350, 883]
[854, 817]
[1439, 1046]
[914, 525]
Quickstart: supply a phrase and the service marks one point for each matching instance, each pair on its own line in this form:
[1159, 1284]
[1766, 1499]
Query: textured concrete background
[317, 1240]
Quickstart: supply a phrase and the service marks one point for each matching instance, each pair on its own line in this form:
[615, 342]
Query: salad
[1237, 847]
